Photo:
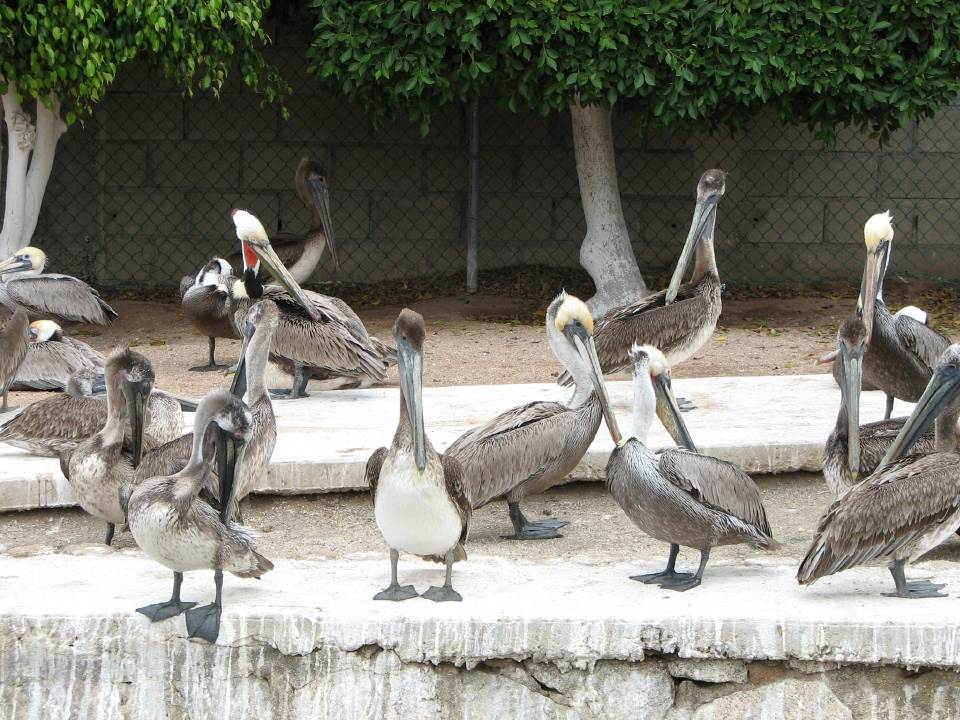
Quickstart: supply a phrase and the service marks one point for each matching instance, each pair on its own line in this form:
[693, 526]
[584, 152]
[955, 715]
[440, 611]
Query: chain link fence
[141, 193]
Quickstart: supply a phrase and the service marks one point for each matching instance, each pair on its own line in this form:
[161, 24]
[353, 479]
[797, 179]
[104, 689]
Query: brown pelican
[680, 319]
[908, 506]
[14, 339]
[678, 496]
[57, 297]
[205, 301]
[314, 334]
[99, 466]
[530, 448]
[249, 378]
[175, 527]
[301, 253]
[419, 497]
[854, 451]
[52, 358]
[57, 424]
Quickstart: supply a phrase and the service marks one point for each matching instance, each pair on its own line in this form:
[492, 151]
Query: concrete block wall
[141, 193]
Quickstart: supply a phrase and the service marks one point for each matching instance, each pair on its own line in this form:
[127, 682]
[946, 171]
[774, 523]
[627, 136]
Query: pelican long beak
[410, 365]
[321, 199]
[704, 213]
[669, 411]
[941, 390]
[230, 449]
[250, 231]
[851, 373]
[238, 387]
[867, 301]
[138, 396]
[15, 264]
[583, 342]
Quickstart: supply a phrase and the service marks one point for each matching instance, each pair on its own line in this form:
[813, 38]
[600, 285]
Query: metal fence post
[473, 196]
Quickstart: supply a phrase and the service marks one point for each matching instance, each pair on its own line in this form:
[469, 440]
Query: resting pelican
[854, 451]
[249, 378]
[57, 424]
[53, 357]
[908, 506]
[419, 497]
[680, 319]
[301, 253]
[175, 527]
[678, 496]
[99, 467]
[14, 339]
[530, 448]
[57, 297]
[314, 334]
[205, 301]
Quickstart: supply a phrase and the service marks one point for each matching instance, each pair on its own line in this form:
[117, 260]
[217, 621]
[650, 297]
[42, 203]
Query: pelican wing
[49, 365]
[60, 296]
[924, 342]
[884, 513]
[372, 472]
[169, 459]
[457, 488]
[716, 483]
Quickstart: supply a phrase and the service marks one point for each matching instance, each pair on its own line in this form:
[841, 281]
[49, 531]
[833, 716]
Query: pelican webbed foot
[685, 404]
[204, 622]
[209, 367]
[668, 575]
[395, 592]
[524, 529]
[169, 609]
[912, 590]
[446, 593]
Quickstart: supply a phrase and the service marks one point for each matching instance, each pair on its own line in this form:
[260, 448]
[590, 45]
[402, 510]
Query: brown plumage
[14, 339]
[52, 358]
[205, 301]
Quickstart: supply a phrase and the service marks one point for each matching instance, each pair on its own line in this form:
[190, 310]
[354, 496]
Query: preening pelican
[99, 466]
[908, 506]
[52, 358]
[205, 301]
[54, 297]
[175, 527]
[301, 253]
[678, 496]
[419, 498]
[314, 334]
[530, 448]
[680, 319]
[14, 339]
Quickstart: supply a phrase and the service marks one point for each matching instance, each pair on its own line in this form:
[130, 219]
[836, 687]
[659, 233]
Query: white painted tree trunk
[606, 252]
[30, 154]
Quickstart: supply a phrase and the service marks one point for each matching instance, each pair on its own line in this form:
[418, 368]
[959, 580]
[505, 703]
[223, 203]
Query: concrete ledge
[529, 640]
[765, 424]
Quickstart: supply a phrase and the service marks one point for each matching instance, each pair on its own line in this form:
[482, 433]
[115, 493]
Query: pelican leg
[889, 410]
[395, 592]
[108, 540]
[5, 408]
[171, 608]
[298, 389]
[211, 364]
[915, 589]
[667, 575]
[445, 593]
[524, 529]
[686, 583]
[204, 622]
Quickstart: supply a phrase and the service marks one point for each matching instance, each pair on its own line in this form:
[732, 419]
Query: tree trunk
[606, 252]
[49, 129]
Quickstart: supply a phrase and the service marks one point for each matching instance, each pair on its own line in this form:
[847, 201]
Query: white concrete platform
[765, 424]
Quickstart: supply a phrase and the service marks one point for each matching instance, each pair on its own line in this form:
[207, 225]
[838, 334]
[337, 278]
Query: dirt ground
[483, 340]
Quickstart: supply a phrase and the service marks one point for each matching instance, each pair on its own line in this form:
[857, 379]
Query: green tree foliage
[74, 48]
[670, 63]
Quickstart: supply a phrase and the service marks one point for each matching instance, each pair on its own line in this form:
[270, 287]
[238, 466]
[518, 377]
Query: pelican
[530, 448]
[854, 451]
[205, 301]
[678, 496]
[99, 467]
[908, 506]
[14, 340]
[249, 378]
[301, 253]
[179, 530]
[52, 358]
[680, 319]
[56, 297]
[314, 334]
[57, 424]
[419, 498]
